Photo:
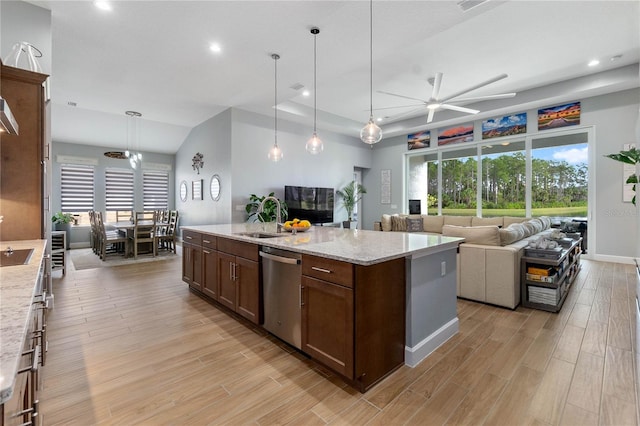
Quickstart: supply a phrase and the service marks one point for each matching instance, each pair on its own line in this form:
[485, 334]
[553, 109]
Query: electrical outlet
[443, 268]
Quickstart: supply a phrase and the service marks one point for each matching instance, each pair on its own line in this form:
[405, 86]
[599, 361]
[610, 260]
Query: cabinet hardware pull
[188, 237]
[206, 241]
[326, 271]
[206, 252]
[301, 296]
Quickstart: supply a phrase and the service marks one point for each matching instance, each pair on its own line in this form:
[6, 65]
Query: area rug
[86, 259]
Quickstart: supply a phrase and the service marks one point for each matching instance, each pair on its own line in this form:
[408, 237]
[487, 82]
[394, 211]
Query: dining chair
[110, 241]
[144, 231]
[94, 236]
[124, 215]
[166, 234]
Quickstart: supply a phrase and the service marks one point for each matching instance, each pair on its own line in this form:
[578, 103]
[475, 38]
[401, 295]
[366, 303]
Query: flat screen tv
[313, 204]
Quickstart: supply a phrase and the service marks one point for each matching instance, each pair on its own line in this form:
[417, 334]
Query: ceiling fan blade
[432, 111]
[399, 106]
[458, 108]
[485, 98]
[402, 115]
[437, 81]
[477, 86]
[402, 96]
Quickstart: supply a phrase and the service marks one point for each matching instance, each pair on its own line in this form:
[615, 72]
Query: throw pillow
[414, 224]
[386, 222]
[546, 221]
[398, 223]
[529, 228]
[487, 235]
[511, 234]
[432, 223]
[508, 220]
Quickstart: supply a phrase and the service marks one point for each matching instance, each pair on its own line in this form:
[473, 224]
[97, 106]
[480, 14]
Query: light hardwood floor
[132, 345]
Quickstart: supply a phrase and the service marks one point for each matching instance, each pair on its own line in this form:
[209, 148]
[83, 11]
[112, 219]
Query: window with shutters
[119, 192]
[77, 190]
[155, 190]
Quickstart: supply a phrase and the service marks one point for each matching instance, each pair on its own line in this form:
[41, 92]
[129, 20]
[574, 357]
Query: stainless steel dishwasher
[281, 281]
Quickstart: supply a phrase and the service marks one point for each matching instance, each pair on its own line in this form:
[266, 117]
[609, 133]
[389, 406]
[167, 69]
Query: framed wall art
[196, 190]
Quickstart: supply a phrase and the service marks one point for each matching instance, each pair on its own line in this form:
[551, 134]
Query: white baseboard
[413, 356]
[612, 259]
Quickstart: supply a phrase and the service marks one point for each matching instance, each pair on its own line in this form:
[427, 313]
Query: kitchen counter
[350, 245]
[18, 285]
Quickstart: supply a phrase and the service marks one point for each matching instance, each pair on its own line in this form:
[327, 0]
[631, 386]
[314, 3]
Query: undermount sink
[15, 257]
[259, 234]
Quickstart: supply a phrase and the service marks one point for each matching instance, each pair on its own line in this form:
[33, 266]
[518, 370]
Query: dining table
[125, 227]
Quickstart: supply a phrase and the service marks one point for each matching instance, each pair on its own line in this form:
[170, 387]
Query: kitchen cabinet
[192, 259]
[209, 267]
[22, 165]
[239, 278]
[353, 317]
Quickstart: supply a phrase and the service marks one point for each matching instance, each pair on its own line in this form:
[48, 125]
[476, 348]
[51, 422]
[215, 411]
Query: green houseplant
[631, 156]
[62, 218]
[270, 209]
[351, 194]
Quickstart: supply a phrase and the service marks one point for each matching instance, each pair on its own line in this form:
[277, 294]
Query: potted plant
[351, 194]
[269, 212]
[62, 222]
[631, 156]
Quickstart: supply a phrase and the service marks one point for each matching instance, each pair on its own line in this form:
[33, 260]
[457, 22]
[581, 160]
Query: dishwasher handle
[281, 259]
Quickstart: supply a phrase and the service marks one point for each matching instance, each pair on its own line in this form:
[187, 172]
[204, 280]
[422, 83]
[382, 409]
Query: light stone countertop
[350, 245]
[17, 287]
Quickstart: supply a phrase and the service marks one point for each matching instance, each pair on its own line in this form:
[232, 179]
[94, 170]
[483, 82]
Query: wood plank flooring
[132, 345]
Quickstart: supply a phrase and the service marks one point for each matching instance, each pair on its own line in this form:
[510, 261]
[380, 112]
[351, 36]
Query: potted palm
[350, 194]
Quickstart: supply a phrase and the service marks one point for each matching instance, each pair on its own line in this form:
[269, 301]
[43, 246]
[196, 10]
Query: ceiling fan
[435, 103]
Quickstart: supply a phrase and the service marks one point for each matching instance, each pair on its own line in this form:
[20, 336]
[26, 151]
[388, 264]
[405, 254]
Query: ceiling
[154, 57]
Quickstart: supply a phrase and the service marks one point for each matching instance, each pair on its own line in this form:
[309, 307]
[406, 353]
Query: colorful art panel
[559, 116]
[456, 134]
[419, 140]
[508, 125]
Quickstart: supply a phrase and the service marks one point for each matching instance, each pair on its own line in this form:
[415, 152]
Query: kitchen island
[371, 301]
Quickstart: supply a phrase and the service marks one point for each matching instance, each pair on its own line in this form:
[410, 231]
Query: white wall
[614, 117]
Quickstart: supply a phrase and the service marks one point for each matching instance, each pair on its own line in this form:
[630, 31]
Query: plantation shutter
[155, 190]
[77, 188]
[119, 189]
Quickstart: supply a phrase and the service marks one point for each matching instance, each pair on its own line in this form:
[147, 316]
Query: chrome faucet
[278, 211]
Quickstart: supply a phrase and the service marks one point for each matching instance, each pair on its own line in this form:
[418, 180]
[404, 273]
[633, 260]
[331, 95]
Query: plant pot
[64, 227]
[346, 224]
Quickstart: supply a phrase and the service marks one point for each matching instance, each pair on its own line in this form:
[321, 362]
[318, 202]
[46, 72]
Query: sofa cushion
[537, 224]
[487, 235]
[399, 223]
[529, 229]
[511, 234]
[414, 224]
[432, 223]
[484, 221]
[508, 220]
[457, 220]
[546, 221]
[386, 222]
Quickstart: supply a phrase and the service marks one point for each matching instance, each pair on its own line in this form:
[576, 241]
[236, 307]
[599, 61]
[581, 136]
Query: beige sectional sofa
[489, 259]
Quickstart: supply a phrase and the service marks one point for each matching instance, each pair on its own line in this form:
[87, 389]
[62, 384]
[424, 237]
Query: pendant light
[134, 157]
[314, 145]
[371, 132]
[275, 153]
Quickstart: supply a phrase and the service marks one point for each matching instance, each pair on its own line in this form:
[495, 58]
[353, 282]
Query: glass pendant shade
[275, 153]
[314, 144]
[371, 133]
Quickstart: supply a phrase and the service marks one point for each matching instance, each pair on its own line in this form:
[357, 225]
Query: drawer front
[192, 237]
[209, 241]
[330, 270]
[239, 248]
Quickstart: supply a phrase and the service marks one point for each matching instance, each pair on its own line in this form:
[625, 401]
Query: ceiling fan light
[314, 144]
[371, 133]
[275, 153]
[434, 106]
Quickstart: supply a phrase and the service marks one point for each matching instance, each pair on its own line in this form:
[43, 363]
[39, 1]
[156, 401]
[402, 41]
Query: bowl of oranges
[297, 224]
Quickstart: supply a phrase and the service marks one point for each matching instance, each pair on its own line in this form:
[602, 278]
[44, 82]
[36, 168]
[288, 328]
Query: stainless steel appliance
[282, 280]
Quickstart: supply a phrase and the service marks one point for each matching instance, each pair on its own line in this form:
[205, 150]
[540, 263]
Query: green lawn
[552, 211]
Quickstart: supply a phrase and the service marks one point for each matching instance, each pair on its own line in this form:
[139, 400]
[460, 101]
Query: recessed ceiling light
[215, 48]
[594, 62]
[379, 119]
[71, 103]
[616, 57]
[102, 5]
[306, 93]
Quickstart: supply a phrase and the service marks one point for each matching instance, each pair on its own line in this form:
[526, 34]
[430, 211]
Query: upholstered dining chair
[144, 231]
[166, 233]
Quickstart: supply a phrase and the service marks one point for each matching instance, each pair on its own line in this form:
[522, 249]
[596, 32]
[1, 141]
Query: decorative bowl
[298, 229]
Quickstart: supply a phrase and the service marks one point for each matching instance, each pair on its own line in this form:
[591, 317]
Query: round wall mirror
[183, 191]
[214, 188]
